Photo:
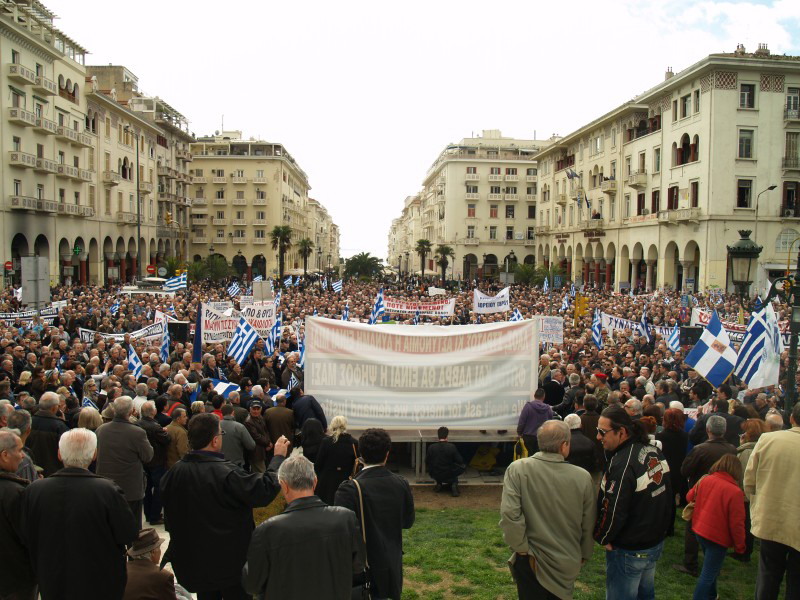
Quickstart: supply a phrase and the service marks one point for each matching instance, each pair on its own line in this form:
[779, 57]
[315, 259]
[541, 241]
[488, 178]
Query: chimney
[669, 74]
[762, 50]
[740, 51]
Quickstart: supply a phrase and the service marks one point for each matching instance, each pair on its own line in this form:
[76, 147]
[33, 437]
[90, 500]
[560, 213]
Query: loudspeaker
[690, 335]
[178, 331]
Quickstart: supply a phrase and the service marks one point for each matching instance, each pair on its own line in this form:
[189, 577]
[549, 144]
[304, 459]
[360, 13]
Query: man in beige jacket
[549, 546]
[773, 486]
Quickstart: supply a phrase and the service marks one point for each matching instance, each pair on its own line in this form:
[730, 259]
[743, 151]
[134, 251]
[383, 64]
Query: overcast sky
[366, 94]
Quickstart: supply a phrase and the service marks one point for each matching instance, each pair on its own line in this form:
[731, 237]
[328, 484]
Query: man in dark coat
[75, 506]
[388, 509]
[327, 538]
[279, 419]
[154, 470]
[581, 449]
[305, 408]
[258, 431]
[46, 429]
[145, 578]
[18, 581]
[733, 424]
[444, 463]
[225, 496]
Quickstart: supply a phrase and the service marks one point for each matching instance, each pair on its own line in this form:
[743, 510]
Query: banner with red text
[406, 377]
[434, 308]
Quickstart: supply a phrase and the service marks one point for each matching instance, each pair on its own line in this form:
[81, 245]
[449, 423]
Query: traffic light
[581, 306]
[168, 218]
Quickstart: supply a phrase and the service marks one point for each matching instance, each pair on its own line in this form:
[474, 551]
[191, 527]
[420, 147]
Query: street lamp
[769, 189]
[408, 266]
[788, 290]
[509, 258]
[329, 262]
[743, 256]
[138, 207]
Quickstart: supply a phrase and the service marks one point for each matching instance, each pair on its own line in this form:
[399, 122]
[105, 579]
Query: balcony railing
[219, 180]
[791, 114]
[609, 187]
[239, 240]
[495, 177]
[216, 221]
[47, 126]
[44, 86]
[220, 202]
[259, 201]
[531, 178]
[167, 172]
[667, 217]
[260, 222]
[791, 162]
[145, 187]
[258, 240]
[20, 74]
[199, 180]
[259, 180]
[111, 178]
[240, 202]
[469, 241]
[512, 178]
[591, 224]
[638, 179]
[511, 197]
[472, 196]
[67, 171]
[687, 214]
[472, 177]
[73, 210]
[31, 203]
[495, 196]
[45, 165]
[166, 197]
[21, 159]
[530, 197]
[541, 229]
[86, 175]
[199, 201]
[238, 180]
[183, 155]
[239, 222]
[126, 218]
[20, 116]
[561, 199]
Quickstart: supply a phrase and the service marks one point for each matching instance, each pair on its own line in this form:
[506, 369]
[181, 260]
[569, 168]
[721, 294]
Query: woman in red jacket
[718, 520]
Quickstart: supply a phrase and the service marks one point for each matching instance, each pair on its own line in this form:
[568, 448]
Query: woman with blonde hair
[89, 418]
[335, 459]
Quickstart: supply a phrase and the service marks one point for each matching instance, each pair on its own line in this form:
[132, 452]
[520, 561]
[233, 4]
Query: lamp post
[408, 266]
[509, 257]
[743, 256]
[769, 189]
[138, 208]
[319, 260]
[483, 266]
[329, 263]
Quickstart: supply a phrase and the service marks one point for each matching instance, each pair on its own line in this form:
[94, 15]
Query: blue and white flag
[297, 281]
[293, 383]
[223, 388]
[244, 338]
[233, 289]
[277, 300]
[758, 304]
[315, 313]
[516, 315]
[674, 339]
[288, 281]
[546, 285]
[258, 278]
[758, 361]
[172, 310]
[346, 313]
[565, 304]
[377, 310]
[301, 348]
[275, 334]
[134, 363]
[88, 402]
[175, 283]
[416, 318]
[572, 290]
[324, 283]
[114, 308]
[646, 326]
[597, 329]
[164, 350]
[713, 356]
[336, 286]
[666, 301]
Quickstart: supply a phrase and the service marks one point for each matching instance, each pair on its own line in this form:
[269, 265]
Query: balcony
[259, 240]
[259, 180]
[20, 74]
[43, 125]
[73, 210]
[84, 140]
[472, 177]
[530, 241]
[591, 225]
[260, 222]
[45, 165]
[541, 229]
[87, 211]
[200, 240]
[166, 172]
[145, 187]
[219, 202]
[495, 177]
[199, 180]
[20, 116]
[166, 197]
[31, 203]
[126, 218]
[219, 240]
[791, 114]
[638, 180]
[44, 86]
[111, 178]
[239, 240]
[512, 178]
[511, 197]
[472, 196]
[199, 201]
[238, 180]
[495, 196]
[561, 199]
[239, 222]
[239, 202]
[259, 202]
[531, 178]
[183, 155]
[86, 175]
[21, 159]
[667, 217]
[791, 163]
[609, 187]
[67, 171]
[687, 215]
[469, 241]
[530, 197]
[216, 221]
[66, 134]
[221, 180]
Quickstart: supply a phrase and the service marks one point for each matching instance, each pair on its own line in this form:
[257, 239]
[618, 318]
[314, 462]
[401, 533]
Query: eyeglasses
[221, 432]
[603, 432]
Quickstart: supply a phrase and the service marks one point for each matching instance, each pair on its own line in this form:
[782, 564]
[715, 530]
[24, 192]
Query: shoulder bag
[361, 590]
[688, 510]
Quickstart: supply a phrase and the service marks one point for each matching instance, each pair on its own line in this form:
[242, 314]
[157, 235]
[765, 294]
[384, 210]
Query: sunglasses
[603, 432]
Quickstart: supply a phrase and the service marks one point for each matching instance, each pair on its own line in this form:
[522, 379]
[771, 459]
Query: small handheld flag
[164, 351]
[377, 310]
[597, 329]
[244, 338]
[336, 286]
[175, 283]
[234, 289]
[114, 308]
[288, 281]
[134, 363]
[546, 285]
[346, 313]
[516, 315]
[674, 339]
[713, 356]
[258, 278]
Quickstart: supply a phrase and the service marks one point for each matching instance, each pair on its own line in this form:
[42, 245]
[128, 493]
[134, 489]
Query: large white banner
[218, 326]
[735, 331]
[260, 316]
[483, 304]
[405, 377]
[433, 308]
[611, 324]
[155, 330]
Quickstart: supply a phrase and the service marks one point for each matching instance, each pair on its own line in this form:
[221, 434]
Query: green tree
[363, 265]
[172, 264]
[217, 268]
[281, 237]
[197, 271]
[524, 274]
[443, 253]
[543, 272]
[423, 248]
[305, 248]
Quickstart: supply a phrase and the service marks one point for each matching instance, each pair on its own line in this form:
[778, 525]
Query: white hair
[49, 400]
[676, 404]
[257, 391]
[77, 447]
[297, 472]
[123, 406]
[148, 409]
[573, 421]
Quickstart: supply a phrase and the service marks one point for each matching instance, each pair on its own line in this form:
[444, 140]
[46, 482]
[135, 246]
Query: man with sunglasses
[633, 511]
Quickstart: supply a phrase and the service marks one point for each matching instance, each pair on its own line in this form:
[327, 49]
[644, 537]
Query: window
[220, 214]
[793, 102]
[627, 206]
[509, 232]
[108, 202]
[531, 172]
[791, 156]
[674, 110]
[472, 189]
[746, 143]
[640, 204]
[17, 100]
[261, 195]
[694, 193]
[511, 190]
[532, 211]
[744, 193]
[91, 196]
[493, 232]
[495, 171]
[511, 171]
[747, 95]
[655, 201]
[260, 233]
[510, 211]
[657, 160]
[613, 169]
[77, 197]
[493, 211]
[785, 241]
[530, 190]
[15, 57]
[495, 189]
[612, 209]
[39, 150]
[613, 137]
[685, 102]
[18, 187]
[471, 211]
[221, 194]
[672, 198]
[259, 172]
[531, 233]
[61, 157]
[221, 233]
[697, 101]
[16, 144]
[240, 195]
[40, 192]
[470, 231]
[627, 166]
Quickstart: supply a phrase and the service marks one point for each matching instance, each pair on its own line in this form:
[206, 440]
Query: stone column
[569, 269]
[635, 272]
[586, 272]
[597, 273]
[688, 267]
[609, 277]
[123, 269]
[649, 279]
[249, 272]
[84, 268]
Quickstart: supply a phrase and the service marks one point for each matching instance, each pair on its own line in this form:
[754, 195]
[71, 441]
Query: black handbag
[361, 583]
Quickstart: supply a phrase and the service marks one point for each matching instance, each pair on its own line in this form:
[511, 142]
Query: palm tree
[305, 248]
[423, 248]
[443, 252]
[281, 236]
[363, 265]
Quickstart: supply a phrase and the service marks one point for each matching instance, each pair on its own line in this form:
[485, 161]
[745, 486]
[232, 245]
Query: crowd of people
[625, 435]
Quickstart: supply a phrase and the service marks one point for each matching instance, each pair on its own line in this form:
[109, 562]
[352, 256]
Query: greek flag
[572, 290]
[114, 308]
[324, 284]
[674, 340]
[301, 348]
[377, 310]
[164, 351]
[597, 329]
[713, 356]
[546, 285]
[516, 315]
[258, 278]
[288, 281]
[277, 300]
[758, 361]
[234, 289]
[646, 327]
[223, 388]
[275, 333]
[172, 309]
[346, 313]
[336, 286]
[565, 304]
[315, 313]
[134, 363]
[297, 281]
[175, 283]
[758, 304]
[244, 338]
[88, 402]
[416, 318]
[666, 301]
[293, 383]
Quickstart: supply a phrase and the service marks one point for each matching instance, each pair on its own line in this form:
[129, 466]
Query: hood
[540, 407]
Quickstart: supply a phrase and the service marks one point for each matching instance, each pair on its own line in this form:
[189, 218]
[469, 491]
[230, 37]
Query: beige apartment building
[241, 189]
[649, 194]
[479, 197]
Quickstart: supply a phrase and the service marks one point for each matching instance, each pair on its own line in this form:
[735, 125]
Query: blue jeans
[630, 574]
[713, 557]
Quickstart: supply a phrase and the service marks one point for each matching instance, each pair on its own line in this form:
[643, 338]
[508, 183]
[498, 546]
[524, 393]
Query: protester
[46, 429]
[752, 430]
[145, 578]
[336, 459]
[581, 449]
[236, 440]
[445, 463]
[549, 547]
[178, 438]
[533, 414]
[311, 435]
[154, 470]
[257, 429]
[674, 442]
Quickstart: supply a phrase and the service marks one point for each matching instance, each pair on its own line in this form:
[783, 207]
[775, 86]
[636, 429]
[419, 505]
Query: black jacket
[222, 498]
[17, 572]
[305, 408]
[733, 428]
[46, 430]
[582, 452]
[634, 510]
[159, 440]
[702, 457]
[444, 462]
[334, 464]
[73, 519]
[388, 509]
[309, 537]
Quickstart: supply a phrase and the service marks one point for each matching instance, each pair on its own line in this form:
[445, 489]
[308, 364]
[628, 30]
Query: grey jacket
[236, 440]
[122, 450]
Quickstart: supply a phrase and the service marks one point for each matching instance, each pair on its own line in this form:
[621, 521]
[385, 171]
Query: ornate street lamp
[743, 258]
